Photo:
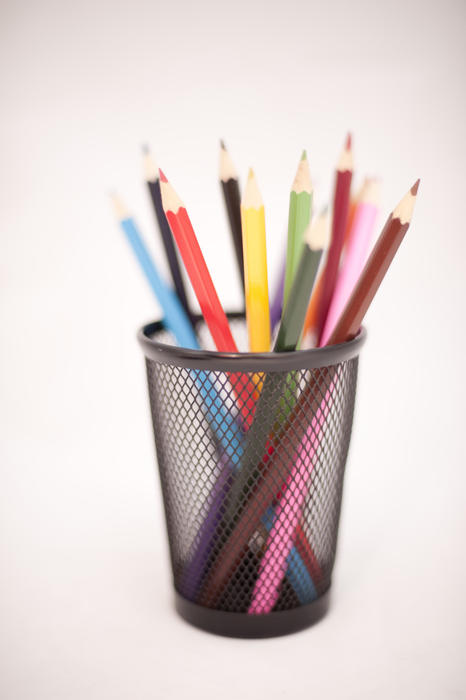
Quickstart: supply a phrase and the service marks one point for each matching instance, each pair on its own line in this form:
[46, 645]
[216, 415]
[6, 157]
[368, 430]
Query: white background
[86, 606]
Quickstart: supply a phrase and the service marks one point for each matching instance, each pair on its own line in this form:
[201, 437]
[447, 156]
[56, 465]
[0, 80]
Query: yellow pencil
[255, 267]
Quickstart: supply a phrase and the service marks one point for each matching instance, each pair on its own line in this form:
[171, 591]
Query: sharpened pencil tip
[304, 155]
[162, 176]
[145, 148]
[222, 145]
[415, 187]
[250, 174]
[348, 141]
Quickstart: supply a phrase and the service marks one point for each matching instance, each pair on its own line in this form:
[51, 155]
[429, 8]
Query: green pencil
[291, 326]
[273, 406]
[299, 217]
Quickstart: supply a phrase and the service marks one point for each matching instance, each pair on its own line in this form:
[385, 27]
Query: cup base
[274, 624]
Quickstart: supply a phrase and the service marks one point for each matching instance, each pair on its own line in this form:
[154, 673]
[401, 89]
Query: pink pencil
[355, 258]
[287, 513]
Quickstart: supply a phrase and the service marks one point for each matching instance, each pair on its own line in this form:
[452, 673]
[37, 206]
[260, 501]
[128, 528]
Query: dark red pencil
[341, 202]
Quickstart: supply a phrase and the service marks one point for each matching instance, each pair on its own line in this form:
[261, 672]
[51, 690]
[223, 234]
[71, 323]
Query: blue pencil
[223, 423]
[297, 572]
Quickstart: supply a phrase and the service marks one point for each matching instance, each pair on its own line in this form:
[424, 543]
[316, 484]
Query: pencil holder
[252, 499]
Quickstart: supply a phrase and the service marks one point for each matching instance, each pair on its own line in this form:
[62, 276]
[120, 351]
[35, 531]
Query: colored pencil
[276, 467]
[228, 433]
[356, 252]
[291, 326]
[276, 307]
[310, 321]
[175, 318]
[274, 563]
[288, 512]
[308, 557]
[354, 200]
[222, 422]
[296, 569]
[151, 175]
[211, 308]
[231, 196]
[255, 267]
[299, 217]
[343, 178]
[375, 269]
[272, 408]
[296, 564]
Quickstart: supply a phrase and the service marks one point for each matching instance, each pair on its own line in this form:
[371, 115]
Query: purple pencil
[202, 546]
[277, 303]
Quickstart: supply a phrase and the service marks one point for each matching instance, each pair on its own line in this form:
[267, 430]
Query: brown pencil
[276, 469]
[341, 201]
[232, 198]
[375, 268]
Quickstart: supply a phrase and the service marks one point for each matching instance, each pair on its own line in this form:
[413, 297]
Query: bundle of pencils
[328, 281]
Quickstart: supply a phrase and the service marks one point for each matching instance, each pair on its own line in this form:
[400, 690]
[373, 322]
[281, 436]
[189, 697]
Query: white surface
[85, 590]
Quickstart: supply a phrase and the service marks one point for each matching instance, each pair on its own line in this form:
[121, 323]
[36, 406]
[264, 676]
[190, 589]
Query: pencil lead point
[145, 148]
[162, 176]
[415, 187]
[304, 155]
[222, 145]
[250, 174]
[348, 141]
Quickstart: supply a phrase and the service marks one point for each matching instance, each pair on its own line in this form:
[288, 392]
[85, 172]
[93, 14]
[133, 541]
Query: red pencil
[340, 215]
[211, 308]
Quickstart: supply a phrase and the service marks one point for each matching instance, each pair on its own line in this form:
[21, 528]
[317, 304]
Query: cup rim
[245, 361]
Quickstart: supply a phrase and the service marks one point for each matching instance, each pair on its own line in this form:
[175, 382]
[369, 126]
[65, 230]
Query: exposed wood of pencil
[152, 178]
[343, 178]
[232, 199]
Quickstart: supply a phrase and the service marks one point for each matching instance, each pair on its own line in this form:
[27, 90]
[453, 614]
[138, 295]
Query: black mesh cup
[251, 450]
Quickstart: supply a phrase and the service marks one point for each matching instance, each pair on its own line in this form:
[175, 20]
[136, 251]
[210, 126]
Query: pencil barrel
[252, 529]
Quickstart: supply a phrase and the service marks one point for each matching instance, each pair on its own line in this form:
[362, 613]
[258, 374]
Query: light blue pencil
[223, 423]
[297, 572]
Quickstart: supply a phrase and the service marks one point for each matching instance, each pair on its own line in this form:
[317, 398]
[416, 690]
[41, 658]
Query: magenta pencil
[356, 253]
[280, 541]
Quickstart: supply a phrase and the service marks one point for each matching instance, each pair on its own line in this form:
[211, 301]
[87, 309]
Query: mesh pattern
[252, 514]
